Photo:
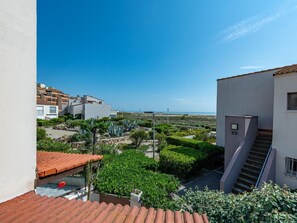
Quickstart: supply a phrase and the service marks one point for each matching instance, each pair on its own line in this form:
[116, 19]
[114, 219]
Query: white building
[253, 111]
[90, 107]
[46, 110]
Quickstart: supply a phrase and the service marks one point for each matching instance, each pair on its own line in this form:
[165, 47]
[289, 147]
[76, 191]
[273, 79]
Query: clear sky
[159, 54]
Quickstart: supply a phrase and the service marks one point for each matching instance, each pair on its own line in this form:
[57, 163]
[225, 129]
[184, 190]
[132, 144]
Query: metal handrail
[263, 167]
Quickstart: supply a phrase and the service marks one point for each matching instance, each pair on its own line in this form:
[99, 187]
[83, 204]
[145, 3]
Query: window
[291, 166]
[53, 110]
[39, 110]
[292, 101]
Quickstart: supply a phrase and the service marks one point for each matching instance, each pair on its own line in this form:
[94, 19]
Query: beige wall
[284, 127]
[18, 97]
[245, 95]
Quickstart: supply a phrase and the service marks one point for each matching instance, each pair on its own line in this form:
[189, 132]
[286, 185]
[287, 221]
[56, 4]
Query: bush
[179, 141]
[133, 170]
[268, 204]
[51, 145]
[51, 122]
[79, 137]
[41, 134]
[145, 123]
[201, 135]
[167, 129]
[213, 152]
[181, 161]
[137, 137]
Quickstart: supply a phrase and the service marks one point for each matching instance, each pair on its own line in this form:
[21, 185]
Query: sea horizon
[173, 112]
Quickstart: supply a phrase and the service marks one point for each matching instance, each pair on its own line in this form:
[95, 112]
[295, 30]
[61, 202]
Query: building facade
[46, 111]
[270, 98]
[90, 107]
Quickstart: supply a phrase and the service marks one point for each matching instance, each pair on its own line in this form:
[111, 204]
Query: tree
[94, 126]
[138, 136]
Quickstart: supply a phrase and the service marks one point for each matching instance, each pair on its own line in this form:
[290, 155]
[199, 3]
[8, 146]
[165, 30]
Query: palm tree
[94, 126]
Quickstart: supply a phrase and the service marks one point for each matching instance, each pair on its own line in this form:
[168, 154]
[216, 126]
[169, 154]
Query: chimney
[135, 198]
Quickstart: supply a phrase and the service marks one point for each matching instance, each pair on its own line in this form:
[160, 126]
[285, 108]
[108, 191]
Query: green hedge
[182, 161]
[268, 204]
[40, 134]
[51, 122]
[211, 149]
[133, 170]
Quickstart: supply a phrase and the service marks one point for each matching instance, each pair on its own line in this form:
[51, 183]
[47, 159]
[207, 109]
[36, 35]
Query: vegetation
[115, 131]
[51, 122]
[133, 170]
[268, 204]
[181, 161]
[167, 129]
[137, 136]
[40, 134]
[52, 145]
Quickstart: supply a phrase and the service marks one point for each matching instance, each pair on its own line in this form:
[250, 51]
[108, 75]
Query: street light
[154, 145]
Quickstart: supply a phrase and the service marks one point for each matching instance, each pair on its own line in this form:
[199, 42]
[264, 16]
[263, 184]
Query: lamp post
[154, 144]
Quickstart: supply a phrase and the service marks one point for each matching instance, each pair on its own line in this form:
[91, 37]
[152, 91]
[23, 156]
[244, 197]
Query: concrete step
[246, 181]
[251, 171]
[254, 163]
[256, 158]
[258, 153]
[242, 186]
[252, 167]
[236, 190]
[263, 150]
[252, 177]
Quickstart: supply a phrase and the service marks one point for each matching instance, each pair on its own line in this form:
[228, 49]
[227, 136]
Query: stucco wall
[18, 83]
[284, 127]
[96, 111]
[245, 95]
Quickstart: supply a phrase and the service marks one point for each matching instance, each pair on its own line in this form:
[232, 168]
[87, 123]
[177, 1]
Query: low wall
[268, 173]
[110, 198]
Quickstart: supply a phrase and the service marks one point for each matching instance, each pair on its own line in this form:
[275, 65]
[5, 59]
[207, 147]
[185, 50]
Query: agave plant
[129, 125]
[115, 131]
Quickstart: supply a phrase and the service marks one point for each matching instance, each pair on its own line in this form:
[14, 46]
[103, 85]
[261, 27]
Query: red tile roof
[286, 70]
[34, 208]
[50, 163]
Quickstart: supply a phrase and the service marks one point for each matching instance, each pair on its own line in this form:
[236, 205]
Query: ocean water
[177, 113]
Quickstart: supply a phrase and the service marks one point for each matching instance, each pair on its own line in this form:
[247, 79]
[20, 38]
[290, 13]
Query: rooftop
[31, 207]
[287, 70]
[51, 163]
[278, 71]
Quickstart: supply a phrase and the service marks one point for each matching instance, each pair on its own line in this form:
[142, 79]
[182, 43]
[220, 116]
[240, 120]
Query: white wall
[97, 111]
[284, 127]
[46, 112]
[245, 95]
[18, 97]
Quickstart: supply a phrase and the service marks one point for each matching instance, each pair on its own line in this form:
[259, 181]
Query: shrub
[51, 122]
[133, 170]
[110, 149]
[179, 141]
[79, 137]
[41, 134]
[51, 145]
[181, 161]
[137, 137]
[145, 123]
[167, 129]
[271, 203]
[201, 135]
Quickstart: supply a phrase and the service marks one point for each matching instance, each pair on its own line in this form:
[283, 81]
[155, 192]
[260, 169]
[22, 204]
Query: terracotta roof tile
[286, 70]
[31, 207]
[50, 163]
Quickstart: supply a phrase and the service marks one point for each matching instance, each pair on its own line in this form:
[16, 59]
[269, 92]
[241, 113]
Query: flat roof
[31, 207]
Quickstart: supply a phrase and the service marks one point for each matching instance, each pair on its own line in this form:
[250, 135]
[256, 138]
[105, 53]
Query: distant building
[257, 125]
[89, 107]
[46, 110]
[52, 96]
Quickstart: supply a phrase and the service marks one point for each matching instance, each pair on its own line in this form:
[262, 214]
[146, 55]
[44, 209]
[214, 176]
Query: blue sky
[154, 55]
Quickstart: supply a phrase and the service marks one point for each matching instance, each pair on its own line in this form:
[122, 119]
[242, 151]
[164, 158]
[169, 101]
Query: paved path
[209, 178]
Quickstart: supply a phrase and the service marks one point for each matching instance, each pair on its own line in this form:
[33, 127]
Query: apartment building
[52, 96]
[257, 125]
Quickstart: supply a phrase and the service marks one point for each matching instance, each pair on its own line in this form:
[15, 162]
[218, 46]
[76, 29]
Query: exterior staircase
[254, 163]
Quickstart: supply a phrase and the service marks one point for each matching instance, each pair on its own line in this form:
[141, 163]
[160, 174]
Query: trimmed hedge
[133, 170]
[181, 161]
[210, 149]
